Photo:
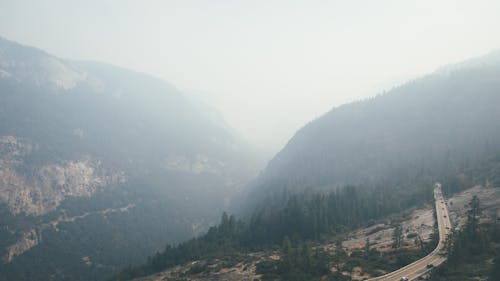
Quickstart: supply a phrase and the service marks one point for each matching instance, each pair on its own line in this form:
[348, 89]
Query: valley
[92, 159]
[416, 223]
[259, 141]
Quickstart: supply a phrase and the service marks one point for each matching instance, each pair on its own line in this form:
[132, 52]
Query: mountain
[101, 166]
[423, 129]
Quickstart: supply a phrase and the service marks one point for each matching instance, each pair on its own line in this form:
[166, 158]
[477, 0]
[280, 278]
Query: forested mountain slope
[359, 164]
[422, 129]
[101, 166]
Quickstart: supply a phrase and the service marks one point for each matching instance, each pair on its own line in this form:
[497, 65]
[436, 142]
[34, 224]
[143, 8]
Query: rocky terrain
[41, 190]
[489, 198]
[416, 223]
[34, 235]
[110, 163]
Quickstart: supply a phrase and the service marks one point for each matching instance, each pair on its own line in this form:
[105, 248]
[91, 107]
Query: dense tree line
[423, 129]
[470, 248]
[484, 171]
[301, 262]
[309, 215]
[310, 261]
[302, 216]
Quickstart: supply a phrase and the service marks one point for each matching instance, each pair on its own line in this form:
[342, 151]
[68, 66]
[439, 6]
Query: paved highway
[418, 268]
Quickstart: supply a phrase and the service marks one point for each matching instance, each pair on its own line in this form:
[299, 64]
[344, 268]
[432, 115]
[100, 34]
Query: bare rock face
[33, 236]
[12, 150]
[69, 129]
[49, 184]
[28, 240]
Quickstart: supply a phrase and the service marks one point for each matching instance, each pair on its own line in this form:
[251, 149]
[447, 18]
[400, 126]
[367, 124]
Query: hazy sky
[268, 66]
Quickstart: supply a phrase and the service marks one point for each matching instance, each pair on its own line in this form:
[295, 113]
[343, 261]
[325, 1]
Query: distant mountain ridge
[421, 129]
[110, 163]
[490, 59]
[29, 65]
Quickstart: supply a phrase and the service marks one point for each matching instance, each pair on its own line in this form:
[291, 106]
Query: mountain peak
[30, 65]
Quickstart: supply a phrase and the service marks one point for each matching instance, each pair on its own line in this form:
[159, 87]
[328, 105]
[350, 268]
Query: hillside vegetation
[421, 130]
[101, 166]
[359, 163]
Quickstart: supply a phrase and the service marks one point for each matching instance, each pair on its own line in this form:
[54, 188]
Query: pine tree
[367, 245]
[473, 216]
[397, 236]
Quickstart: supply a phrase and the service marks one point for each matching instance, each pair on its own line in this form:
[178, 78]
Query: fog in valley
[268, 67]
[249, 140]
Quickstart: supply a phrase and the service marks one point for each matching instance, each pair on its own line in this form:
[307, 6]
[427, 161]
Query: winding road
[420, 267]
